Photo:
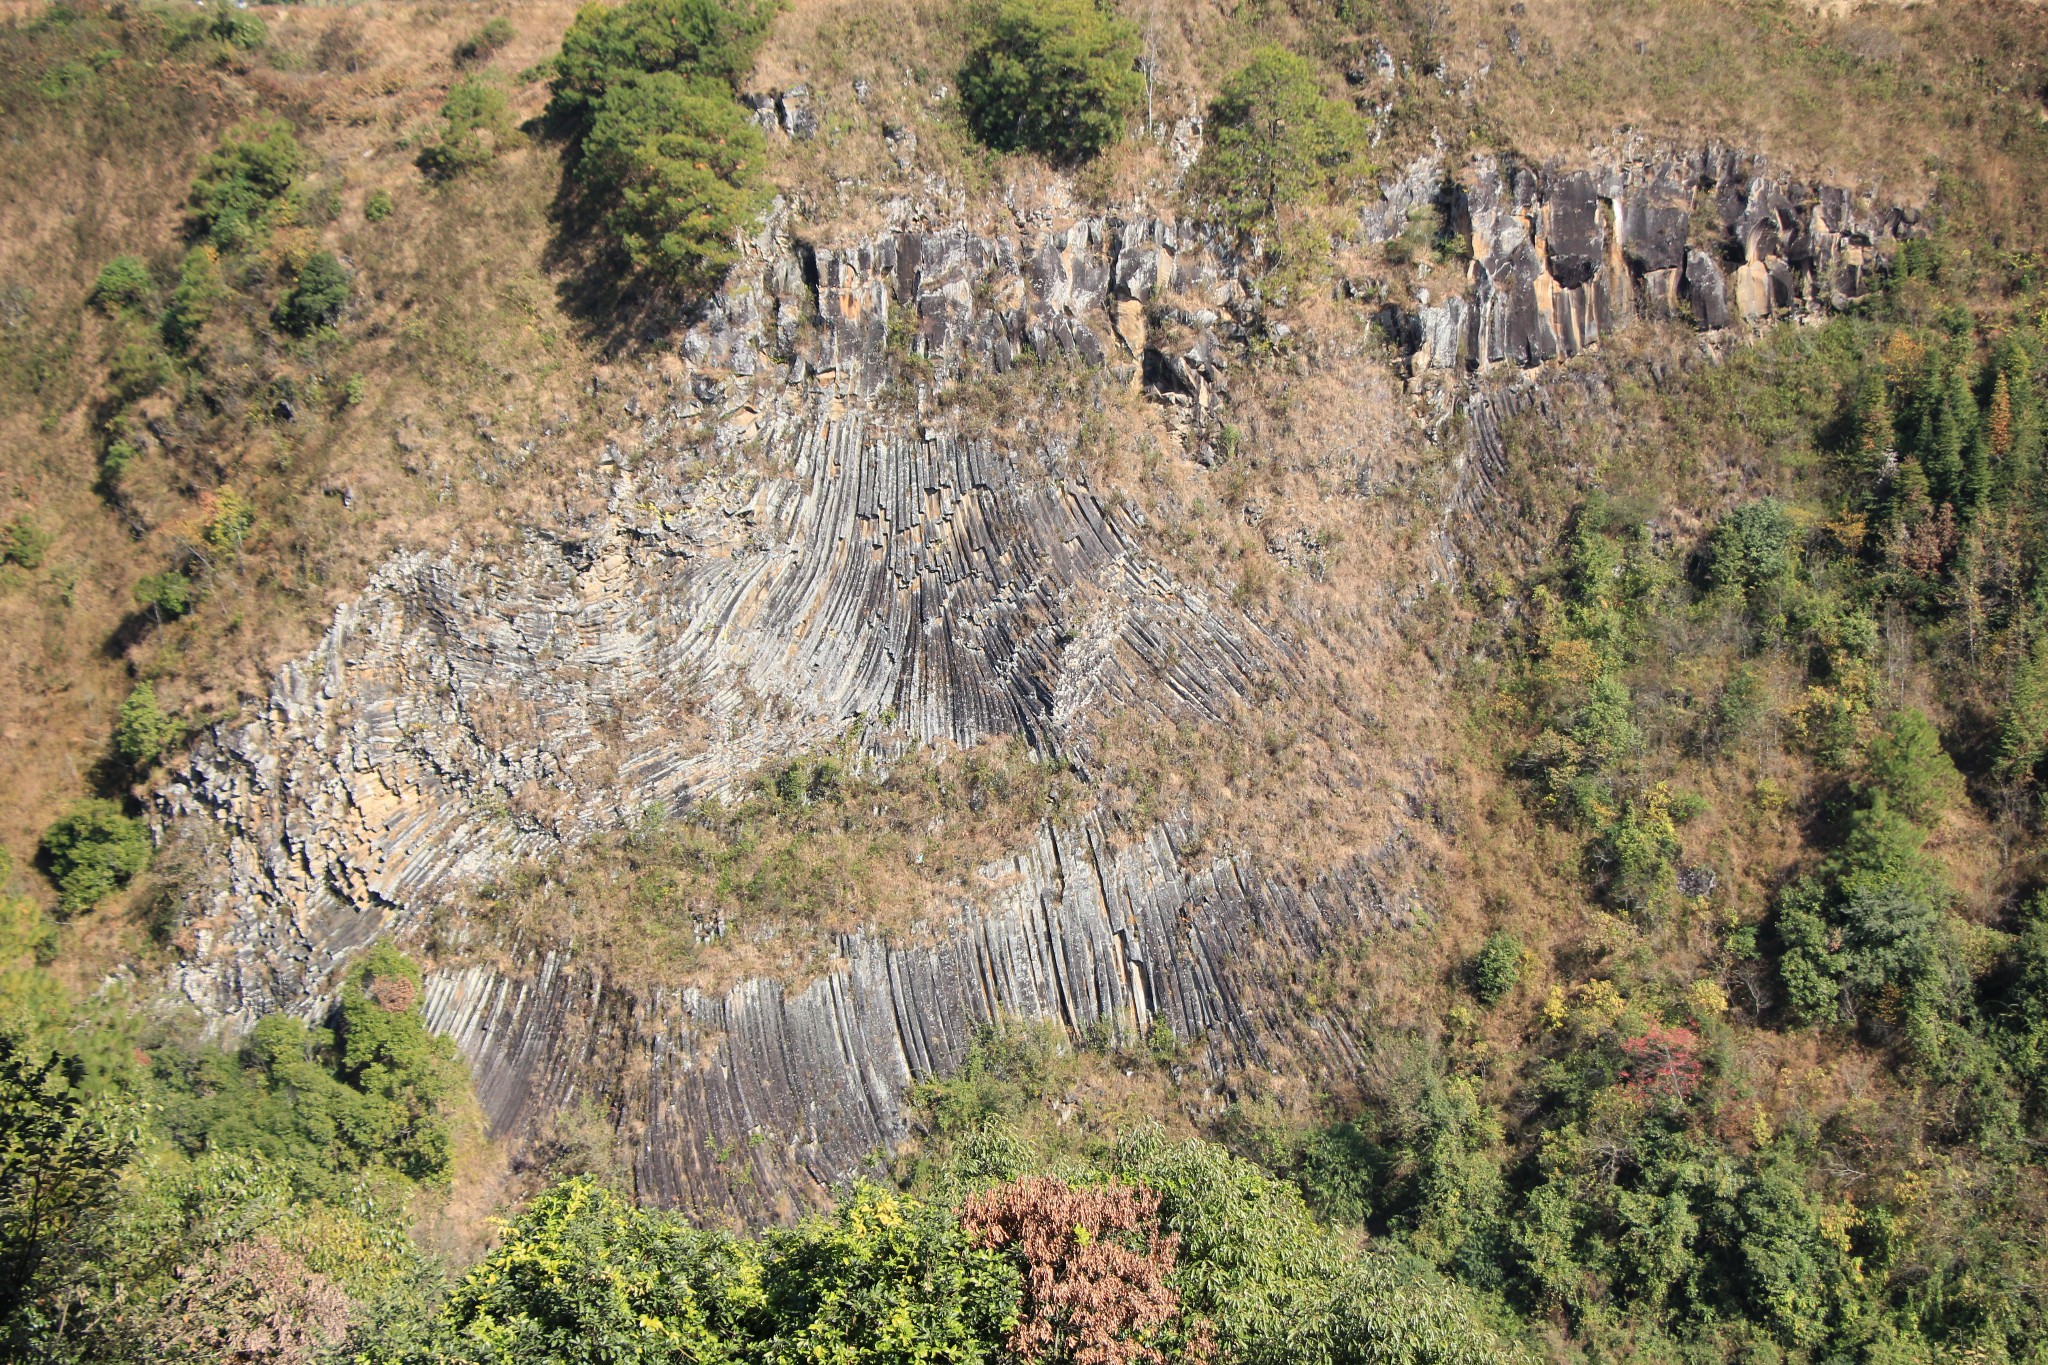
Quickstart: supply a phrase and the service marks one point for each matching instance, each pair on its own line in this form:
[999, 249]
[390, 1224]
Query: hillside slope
[1496, 676]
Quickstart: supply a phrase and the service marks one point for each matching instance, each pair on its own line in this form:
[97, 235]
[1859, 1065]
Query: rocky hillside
[1408, 637]
[785, 558]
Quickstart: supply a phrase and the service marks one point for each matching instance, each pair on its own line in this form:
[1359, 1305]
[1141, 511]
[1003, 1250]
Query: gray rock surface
[466, 712]
[758, 1101]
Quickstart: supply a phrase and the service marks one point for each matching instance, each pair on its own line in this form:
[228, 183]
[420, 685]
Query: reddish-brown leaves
[1095, 1268]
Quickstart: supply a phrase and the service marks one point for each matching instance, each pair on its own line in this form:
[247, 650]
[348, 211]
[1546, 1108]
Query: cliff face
[463, 714]
[843, 567]
[758, 1101]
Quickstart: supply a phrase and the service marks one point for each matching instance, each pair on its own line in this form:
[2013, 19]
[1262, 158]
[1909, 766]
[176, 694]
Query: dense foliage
[1058, 77]
[680, 158]
[664, 148]
[163, 1199]
[1275, 143]
[93, 850]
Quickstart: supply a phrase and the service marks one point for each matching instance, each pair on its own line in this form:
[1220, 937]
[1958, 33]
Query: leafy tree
[324, 1105]
[692, 38]
[62, 1150]
[1273, 140]
[167, 594]
[317, 296]
[1906, 762]
[476, 126]
[886, 1280]
[241, 184]
[93, 851]
[585, 1276]
[1057, 77]
[1871, 921]
[142, 732]
[1277, 1288]
[685, 161]
[1498, 967]
[1750, 549]
[1638, 852]
[123, 282]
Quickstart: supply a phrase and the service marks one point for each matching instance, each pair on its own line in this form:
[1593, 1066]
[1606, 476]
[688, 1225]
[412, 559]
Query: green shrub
[198, 290]
[1638, 851]
[123, 282]
[485, 43]
[1869, 925]
[584, 1275]
[1740, 709]
[327, 1106]
[1751, 548]
[378, 206]
[222, 23]
[142, 732]
[24, 543]
[1278, 1288]
[138, 369]
[1274, 140]
[1906, 762]
[316, 297]
[607, 44]
[885, 1280]
[114, 461]
[476, 126]
[93, 851]
[241, 183]
[168, 593]
[685, 161]
[1057, 77]
[1498, 967]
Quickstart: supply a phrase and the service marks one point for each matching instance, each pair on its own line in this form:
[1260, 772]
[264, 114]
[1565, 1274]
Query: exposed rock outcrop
[465, 712]
[846, 569]
[1559, 257]
[760, 1100]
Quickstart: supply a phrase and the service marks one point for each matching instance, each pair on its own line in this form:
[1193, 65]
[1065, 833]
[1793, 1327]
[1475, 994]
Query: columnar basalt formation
[466, 712]
[760, 1100]
[850, 570]
[1559, 257]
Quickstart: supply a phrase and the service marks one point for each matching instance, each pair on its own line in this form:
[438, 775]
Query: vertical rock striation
[465, 712]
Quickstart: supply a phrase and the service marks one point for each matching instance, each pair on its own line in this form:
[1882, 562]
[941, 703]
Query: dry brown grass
[764, 885]
[459, 329]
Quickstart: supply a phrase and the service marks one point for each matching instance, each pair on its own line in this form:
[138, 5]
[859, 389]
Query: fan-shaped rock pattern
[758, 1101]
[465, 712]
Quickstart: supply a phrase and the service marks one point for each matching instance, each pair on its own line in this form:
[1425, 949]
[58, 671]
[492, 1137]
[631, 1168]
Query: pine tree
[1911, 495]
[2020, 459]
[1976, 482]
[1998, 422]
[1874, 435]
[1945, 451]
